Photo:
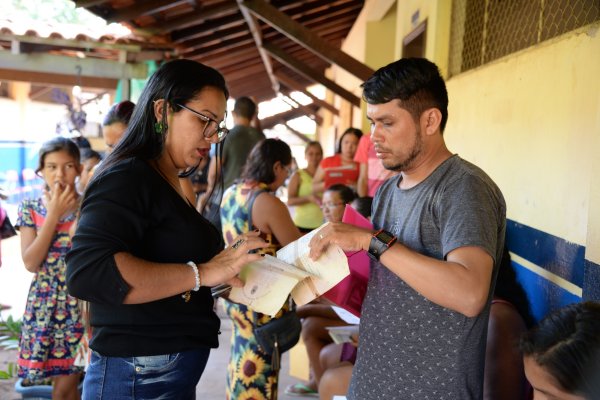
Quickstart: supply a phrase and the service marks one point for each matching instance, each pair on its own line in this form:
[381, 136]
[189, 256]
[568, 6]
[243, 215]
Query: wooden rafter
[293, 85]
[311, 74]
[257, 36]
[270, 122]
[137, 10]
[197, 17]
[305, 37]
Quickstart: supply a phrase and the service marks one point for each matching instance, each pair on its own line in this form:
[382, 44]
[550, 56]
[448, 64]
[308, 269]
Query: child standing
[52, 325]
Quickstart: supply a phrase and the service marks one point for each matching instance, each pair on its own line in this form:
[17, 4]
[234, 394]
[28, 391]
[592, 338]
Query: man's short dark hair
[415, 82]
[244, 107]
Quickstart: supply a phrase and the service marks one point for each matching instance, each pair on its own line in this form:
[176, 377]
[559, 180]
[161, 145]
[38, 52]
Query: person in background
[438, 241]
[562, 354]
[372, 173]
[52, 327]
[363, 206]
[143, 257]
[241, 140]
[510, 317]
[342, 160]
[89, 159]
[317, 316]
[198, 178]
[115, 123]
[334, 202]
[247, 205]
[308, 215]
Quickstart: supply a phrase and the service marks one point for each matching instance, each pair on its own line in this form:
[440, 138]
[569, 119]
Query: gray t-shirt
[237, 146]
[410, 347]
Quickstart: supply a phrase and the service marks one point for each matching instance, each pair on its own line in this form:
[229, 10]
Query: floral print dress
[250, 373]
[52, 327]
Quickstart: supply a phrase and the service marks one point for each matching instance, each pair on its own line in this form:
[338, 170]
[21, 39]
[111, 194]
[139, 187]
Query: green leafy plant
[10, 331]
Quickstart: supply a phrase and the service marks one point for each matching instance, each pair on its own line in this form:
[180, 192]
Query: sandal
[300, 390]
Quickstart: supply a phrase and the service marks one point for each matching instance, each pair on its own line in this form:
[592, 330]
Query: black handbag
[278, 335]
[7, 229]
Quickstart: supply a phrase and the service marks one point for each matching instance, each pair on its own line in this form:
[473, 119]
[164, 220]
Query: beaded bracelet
[196, 275]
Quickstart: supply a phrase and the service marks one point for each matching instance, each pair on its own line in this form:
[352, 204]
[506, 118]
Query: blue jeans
[163, 377]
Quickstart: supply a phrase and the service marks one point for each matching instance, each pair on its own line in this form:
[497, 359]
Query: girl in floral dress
[252, 373]
[52, 328]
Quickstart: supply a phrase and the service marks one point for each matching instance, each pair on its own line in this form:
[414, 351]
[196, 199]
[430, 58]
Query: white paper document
[268, 282]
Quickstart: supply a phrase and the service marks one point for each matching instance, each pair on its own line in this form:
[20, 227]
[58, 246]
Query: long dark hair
[177, 81]
[350, 131]
[262, 158]
[566, 343]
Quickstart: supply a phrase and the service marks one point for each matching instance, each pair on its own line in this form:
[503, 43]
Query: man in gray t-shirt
[440, 229]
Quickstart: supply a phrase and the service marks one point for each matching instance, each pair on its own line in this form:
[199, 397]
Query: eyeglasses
[211, 126]
[331, 205]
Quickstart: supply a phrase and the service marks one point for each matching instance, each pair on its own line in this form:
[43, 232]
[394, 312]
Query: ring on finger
[320, 236]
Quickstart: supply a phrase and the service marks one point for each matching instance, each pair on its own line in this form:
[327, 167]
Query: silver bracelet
[196, 275]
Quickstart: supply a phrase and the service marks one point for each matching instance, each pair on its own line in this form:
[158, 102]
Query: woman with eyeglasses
[250, 205]
[143, 256]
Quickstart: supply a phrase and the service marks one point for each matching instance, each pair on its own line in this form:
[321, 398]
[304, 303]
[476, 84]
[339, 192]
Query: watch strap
[381, 241]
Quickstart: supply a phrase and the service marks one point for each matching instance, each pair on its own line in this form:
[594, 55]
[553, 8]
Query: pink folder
[350, 292]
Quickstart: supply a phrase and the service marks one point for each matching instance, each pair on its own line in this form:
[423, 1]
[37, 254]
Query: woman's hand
[225, 266]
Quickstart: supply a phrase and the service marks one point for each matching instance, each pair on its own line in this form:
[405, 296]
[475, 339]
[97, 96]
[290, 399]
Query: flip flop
[300, 390]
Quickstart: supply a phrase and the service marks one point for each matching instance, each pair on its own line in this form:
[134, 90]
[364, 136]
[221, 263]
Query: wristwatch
[380, 242]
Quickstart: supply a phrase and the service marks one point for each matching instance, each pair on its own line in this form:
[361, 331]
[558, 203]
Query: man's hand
[348, 237]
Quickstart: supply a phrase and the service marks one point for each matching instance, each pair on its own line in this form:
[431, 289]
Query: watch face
[385, 237]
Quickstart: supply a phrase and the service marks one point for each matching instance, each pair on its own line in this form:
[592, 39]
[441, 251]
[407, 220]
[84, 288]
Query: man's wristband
[381, 241]
[196, 275]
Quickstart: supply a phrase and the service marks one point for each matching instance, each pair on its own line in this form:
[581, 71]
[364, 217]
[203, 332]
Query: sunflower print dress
[52, 327]
[250, 374]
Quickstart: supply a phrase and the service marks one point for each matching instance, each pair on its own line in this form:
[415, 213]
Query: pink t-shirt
[377, 174]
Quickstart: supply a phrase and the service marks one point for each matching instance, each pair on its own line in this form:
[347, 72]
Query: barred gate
[485, 30]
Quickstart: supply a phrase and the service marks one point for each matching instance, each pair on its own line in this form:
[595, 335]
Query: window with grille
[485, 30]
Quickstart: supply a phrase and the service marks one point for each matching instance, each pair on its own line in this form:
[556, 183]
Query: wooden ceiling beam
[233, 44]
[300, 135]
[305, 37]
[281, 118]
[55, 64]
[227, 57]
[293, 85]
[43, 78]
[198, 17]
[88, 3]
[248, 71]
[258, 39]
[216, 36]
[142, 8]
[201, 28]
[311, 74]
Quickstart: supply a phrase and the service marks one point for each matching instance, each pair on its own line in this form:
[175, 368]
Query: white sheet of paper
[267, 283]
[346, 316]
[327, 271]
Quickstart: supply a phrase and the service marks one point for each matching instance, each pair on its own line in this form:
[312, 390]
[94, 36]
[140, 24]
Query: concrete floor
[14, 285]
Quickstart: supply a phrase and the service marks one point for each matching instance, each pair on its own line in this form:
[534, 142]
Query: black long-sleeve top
[131, 208]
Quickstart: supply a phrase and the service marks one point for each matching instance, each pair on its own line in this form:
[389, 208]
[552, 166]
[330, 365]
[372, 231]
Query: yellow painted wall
[531, 120]
[437, 14]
